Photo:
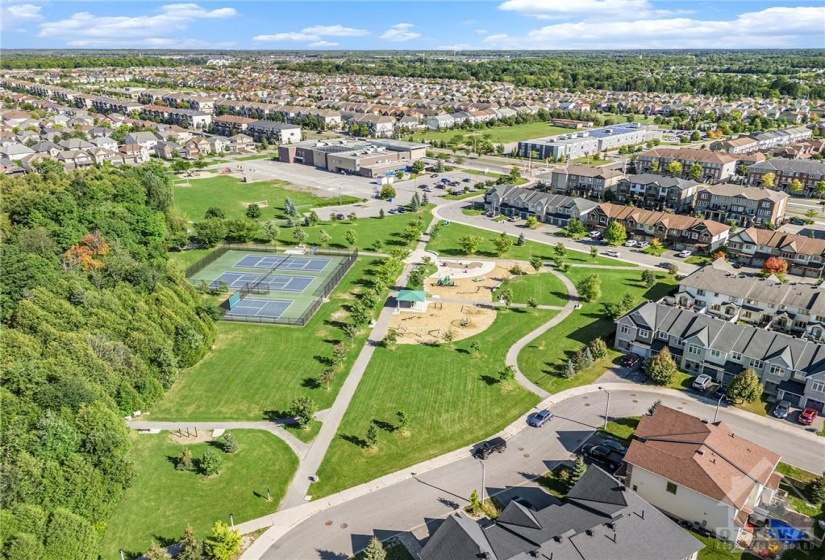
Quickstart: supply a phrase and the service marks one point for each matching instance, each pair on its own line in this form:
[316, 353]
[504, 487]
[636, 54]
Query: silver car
[783, 408]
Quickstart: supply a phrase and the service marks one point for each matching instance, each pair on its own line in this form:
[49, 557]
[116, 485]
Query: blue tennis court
[251, 307]
[276, 282]
[285, 262]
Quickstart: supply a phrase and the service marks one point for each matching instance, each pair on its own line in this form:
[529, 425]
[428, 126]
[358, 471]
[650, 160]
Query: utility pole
[606, 407]
[483, 482]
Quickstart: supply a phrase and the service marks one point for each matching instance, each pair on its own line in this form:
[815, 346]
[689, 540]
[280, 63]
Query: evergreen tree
[229, 444]
[223, 543]
[210, 463]
[190, 547]
[569, 369]
[598, 348]
[184, 462]
[745, 387]
[588, 357]
[521, 241]
[425, 200]
[155, 552]
[816, 490]
[653, 407]
[648, 278]
[371, 436]
[375, 550]
[579, 468]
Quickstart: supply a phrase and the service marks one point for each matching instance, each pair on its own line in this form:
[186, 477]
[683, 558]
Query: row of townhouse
[332, 119]
[187, 118]
[180, 100]
[657, 192]
[582, 180]
[553, 209]
[716, 166]
[723, 292]
[805, 255]
[763, 140]
[380, 126]
[745, 206]
[790, 368]
[809, 172]
[672, 230]
[443, 121]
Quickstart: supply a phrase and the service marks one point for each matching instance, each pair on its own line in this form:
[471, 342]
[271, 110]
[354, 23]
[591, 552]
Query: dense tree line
[95, 325]
[731, 74]
[21, 60]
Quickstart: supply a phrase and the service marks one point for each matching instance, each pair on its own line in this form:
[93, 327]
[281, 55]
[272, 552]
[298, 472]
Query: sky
[414, 24]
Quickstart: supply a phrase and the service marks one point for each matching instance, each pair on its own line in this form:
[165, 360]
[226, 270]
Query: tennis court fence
[194, 268]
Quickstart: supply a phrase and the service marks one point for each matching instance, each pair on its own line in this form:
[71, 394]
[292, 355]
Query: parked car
[643, 245]
[807, 416]
[721, 393]
[663, 264]
[631, 360]
[736, 265]
[422, 186]
[340, 217]
[614, 445]
[487, 448]
[684, 254]
[630, 243]
[798, 221]
[782, 409]
[538, 419]
[595, 234]
[702, 382]
[613, 253]
[434, 176]
[466, 180]
[393, 211]
[602, 454]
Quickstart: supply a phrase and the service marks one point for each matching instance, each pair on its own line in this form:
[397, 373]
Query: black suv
[631, 360]
[487, 448]
[603, 454]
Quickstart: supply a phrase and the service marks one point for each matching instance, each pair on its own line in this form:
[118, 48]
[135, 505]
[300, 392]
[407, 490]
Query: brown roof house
[700, 472]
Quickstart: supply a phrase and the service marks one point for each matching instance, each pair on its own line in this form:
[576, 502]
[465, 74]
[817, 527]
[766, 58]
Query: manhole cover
[635, 401]
[587, 404]
[632, 394]
[584, 397]
[526, 454]
[521, 449]
[344, 525]
[684, 402]
[679, 408]
[328, 523]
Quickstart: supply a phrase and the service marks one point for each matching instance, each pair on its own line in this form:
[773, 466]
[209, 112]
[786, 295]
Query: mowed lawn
[542, 359]
[232, 196]
[450, 396]
[162, 501]
[256, 370]
[500, 134]
[446, 243]
[545, 288]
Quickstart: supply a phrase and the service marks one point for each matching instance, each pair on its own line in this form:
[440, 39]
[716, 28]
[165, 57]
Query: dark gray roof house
[599, 520]
[554, 209]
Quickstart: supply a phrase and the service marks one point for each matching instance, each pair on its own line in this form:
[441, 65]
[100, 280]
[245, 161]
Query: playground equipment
[446, 281]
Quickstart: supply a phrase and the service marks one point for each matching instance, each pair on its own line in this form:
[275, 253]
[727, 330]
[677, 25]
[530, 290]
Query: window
[671, 488]
[735, 356]
[624, 329]
[777, 370]
[715, 354]
[754, 363]
[818, 386]
[644, 334]
[700, 292]
[678, 341]
[635, 488]
[694, 349]
[662, 335]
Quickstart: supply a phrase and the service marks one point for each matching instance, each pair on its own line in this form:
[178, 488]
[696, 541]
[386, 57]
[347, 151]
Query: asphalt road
[418, 503]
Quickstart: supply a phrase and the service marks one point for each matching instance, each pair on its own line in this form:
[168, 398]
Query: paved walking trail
[297, 492]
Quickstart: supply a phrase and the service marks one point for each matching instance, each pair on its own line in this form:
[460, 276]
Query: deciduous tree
[661, 368]
[745, 387]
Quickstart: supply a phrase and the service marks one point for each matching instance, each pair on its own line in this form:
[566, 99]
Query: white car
[684, 254]
[630, 243]
[595, 233]
[643, 245]
[702, 382]
[613, 253]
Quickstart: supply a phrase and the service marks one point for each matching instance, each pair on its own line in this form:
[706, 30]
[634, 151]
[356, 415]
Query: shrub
[210, 463]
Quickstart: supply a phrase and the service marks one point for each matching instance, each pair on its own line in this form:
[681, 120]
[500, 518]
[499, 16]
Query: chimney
[589, 532]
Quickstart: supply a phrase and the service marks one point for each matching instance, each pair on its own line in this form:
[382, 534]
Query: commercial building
[657, 192]
[587, 142]
[373, 158]
[746, 206]
[790, 368]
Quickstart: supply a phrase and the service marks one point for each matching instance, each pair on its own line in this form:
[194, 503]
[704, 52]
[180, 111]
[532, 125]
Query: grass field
[258, 156]
[232, 196]
[446, 244]
[545, 288]
[255, 371]
[186, 258]
[499, 134]
[449, 395]
[541, 360]
[162, 501]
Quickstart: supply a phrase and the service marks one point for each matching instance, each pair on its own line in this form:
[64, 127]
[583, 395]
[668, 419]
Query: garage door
[643, 351]
[792, 398]
[820, 406]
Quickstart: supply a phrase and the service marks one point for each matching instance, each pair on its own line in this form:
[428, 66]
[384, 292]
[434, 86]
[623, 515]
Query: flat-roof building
[368, 158]
[583, 143]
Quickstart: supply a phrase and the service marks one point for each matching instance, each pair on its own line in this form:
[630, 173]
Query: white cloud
[770, 28]
[322, 44]
[481, 31]
[84, 28]
[400, 32]
[601, 10]
[334, 31]
[153, 43]
[288, 36]
[17, 14]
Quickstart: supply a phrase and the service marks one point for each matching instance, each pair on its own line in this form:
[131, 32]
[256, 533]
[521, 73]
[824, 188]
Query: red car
[808, 416]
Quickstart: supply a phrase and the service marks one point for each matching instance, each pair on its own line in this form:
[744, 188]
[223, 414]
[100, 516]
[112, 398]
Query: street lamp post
[483, 481]
[122, 556]
[718, 404]
[607, 406]
[232, 521]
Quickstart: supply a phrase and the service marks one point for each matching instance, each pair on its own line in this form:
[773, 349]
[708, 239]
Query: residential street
[339, 530]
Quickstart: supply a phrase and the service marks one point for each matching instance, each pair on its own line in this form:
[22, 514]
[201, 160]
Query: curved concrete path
[512, 354]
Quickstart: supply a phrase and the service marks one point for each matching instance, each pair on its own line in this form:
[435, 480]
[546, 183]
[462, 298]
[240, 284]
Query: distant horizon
[494, 25]
[409, 51]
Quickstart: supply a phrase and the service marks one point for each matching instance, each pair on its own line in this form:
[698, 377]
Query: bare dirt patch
[479, 288]
[181, 437]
